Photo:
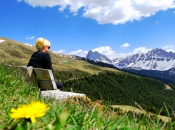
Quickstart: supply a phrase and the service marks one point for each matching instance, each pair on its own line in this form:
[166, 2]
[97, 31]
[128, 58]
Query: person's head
[42, 44]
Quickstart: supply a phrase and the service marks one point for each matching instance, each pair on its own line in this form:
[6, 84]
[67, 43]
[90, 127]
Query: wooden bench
[45, 79]
[46, 82]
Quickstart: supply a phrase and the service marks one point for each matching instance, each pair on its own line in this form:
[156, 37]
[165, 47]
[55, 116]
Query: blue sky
[115, 28]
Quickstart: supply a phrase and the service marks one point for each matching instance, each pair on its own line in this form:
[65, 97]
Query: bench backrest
[45, 79]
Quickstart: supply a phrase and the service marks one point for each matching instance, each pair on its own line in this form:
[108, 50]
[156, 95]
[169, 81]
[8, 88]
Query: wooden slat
[43, 74]
[30, 71]
[45, 79]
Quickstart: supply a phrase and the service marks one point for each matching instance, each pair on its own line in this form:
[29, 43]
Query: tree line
[124, 89]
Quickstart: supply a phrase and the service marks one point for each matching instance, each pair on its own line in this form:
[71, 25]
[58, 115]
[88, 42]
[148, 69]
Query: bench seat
[60, 94]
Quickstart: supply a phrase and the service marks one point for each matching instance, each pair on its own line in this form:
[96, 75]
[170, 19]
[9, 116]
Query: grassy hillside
[126, 108]
[16, 53]
[72, 114]
[103, 83]
[16, 91]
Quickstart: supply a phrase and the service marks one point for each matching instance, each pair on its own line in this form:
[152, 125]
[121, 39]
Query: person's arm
[48, 63]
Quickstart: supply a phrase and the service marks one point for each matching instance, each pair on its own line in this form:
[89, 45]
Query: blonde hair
[41, 42]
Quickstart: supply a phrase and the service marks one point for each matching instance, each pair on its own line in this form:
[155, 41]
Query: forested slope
[124, 89]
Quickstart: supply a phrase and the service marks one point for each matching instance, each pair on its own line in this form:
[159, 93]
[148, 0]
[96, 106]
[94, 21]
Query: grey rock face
[96, 56]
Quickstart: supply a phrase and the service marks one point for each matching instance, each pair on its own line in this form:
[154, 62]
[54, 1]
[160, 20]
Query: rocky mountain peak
[161, 53]
[96, 56]
[156, 59]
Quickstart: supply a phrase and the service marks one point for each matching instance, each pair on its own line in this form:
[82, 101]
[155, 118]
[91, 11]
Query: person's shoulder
[42, 53]
[45, 55]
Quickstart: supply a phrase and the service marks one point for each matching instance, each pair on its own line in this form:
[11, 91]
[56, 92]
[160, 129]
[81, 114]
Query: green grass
[81, 113]
[126, 108]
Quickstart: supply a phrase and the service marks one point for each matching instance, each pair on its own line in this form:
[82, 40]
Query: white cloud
[60, 51]
[66, 16]
[109, 11]
[74, 14]
[28, 44]
[19, 0]
[79, 53]
[122, 55]
[174, 12]
[30, 38]
[136, 50]
[107, 51]
[140, 49]
[125, 45]
[168, 48]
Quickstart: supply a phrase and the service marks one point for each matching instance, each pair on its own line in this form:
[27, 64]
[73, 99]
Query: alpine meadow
[115, 99]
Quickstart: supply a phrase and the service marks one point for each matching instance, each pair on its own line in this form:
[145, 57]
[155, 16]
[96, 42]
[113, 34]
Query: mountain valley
[98, 80]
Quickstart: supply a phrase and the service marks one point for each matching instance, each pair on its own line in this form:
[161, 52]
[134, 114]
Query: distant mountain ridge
[156, 63]
[156, 59]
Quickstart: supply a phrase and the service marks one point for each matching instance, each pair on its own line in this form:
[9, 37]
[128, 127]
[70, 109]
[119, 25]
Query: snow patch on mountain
[153, 65]
[156, 59]
[28, 44]
[1, 40]
[116, 60]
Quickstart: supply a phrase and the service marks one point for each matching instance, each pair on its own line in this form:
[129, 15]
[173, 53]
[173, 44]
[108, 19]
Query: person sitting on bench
[42, 59]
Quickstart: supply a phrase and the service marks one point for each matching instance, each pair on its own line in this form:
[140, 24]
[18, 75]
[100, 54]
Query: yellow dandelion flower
[33, 110]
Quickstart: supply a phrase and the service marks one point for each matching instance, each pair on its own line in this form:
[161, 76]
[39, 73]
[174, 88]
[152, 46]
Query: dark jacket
[41, 60]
